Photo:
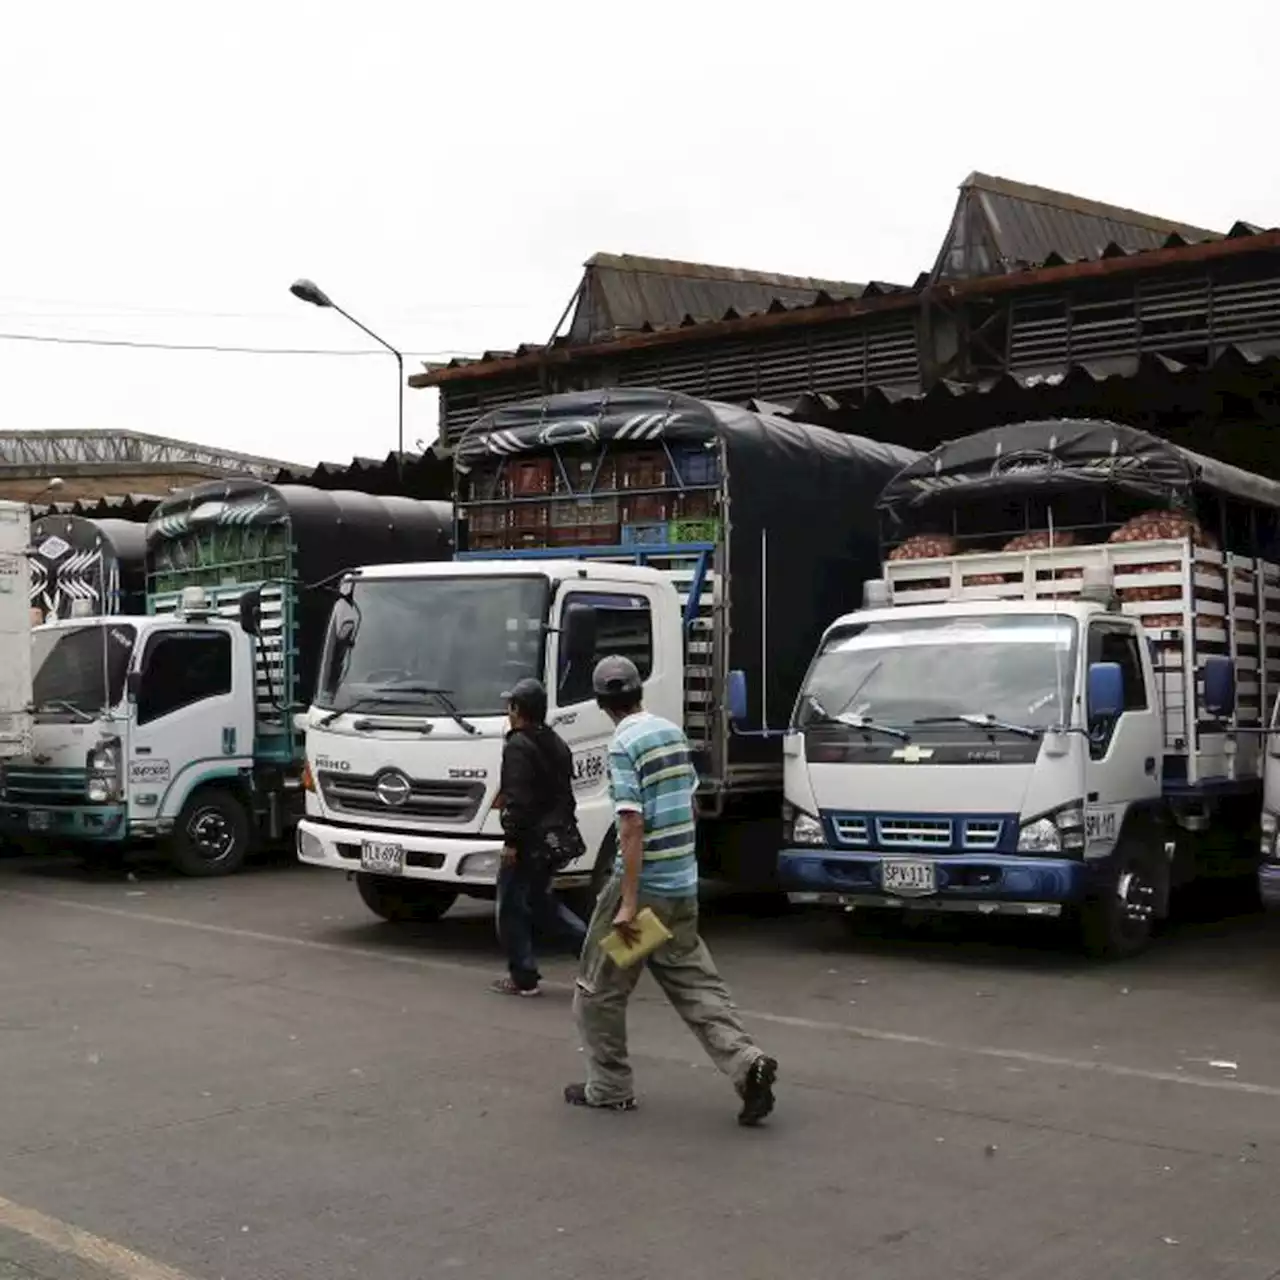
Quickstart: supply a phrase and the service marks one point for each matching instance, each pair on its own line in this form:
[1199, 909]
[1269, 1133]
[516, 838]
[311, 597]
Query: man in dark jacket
[537, 801]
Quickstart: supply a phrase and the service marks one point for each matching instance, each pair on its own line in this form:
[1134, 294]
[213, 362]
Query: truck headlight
[102, 784]
[1270, 826]
[481, 866]
[1061, 831]
[805, 829]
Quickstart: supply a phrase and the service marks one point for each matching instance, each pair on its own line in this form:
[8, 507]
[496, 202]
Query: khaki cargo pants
[685, 971]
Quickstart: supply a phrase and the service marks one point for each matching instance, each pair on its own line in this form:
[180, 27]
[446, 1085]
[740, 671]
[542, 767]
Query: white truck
[15, 630]
[1068, 722]
[176, 726]
[701, 540]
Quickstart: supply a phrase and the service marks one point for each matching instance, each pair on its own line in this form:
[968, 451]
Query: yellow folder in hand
[653, 933]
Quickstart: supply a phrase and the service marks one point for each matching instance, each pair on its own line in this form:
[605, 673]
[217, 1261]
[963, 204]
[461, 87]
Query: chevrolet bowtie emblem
[912, 754]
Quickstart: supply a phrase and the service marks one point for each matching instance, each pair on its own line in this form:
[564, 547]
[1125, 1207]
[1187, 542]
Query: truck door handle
[142, 751]
[1149, 764]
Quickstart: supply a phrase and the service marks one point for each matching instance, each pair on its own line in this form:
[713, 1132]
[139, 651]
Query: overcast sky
[443, 170]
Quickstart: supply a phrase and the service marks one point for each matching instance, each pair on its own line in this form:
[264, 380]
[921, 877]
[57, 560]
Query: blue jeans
[527, 905]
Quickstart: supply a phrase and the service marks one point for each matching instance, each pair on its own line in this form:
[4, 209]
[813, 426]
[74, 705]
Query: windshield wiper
[413, 686]
[61, 704]
[863, 723]
[363, 702]
[983, 720]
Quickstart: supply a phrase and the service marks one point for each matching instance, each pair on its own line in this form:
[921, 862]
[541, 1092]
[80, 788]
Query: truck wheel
[1119, 924]
[403, 901]
[211, 836]
[582, 902]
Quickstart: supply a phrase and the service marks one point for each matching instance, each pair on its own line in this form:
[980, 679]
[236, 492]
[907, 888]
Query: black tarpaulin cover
[329, 530]
[810, 492]
[78, 559]
[1061, 454]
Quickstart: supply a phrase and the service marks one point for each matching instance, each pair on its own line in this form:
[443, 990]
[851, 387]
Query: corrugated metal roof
[1000, 232]
[623, 293]
[1000, 226]
[1152, 392]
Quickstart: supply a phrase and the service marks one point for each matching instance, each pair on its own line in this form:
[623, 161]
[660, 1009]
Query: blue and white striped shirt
[650, 773]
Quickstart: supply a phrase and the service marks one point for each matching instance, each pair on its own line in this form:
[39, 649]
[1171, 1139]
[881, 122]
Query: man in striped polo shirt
[652, 781]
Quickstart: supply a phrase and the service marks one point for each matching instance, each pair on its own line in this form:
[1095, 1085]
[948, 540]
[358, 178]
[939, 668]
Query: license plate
[382, 859]
[908, 878]
[39, 820]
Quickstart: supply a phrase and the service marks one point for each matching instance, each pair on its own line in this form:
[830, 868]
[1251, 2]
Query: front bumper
[439, 859]
[984, 884]
[96, 823]
[1269, 884]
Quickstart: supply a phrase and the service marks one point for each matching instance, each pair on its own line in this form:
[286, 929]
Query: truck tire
[403, 901]
[1119, 923]
[582, 902]
[212, 834]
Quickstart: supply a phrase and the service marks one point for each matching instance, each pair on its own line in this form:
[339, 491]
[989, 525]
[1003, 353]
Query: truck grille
[48, 787]
[914, 833]
[436, 799]
[982, 833]
[852, 830]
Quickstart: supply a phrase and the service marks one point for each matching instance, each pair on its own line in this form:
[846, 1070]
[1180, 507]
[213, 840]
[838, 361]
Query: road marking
[252, 935]
[850, 1030]
[1028, 1056]
[63, 1238]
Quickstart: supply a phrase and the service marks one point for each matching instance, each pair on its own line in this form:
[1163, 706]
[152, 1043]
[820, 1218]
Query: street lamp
[309, 291]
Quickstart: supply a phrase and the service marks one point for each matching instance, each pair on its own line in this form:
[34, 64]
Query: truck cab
[986, 756]
[404, 738]
[143, 728]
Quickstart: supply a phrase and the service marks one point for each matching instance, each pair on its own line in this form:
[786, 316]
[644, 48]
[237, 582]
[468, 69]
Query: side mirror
[132, 683]
[1219, 687]
[251, 611]
[1106, 692]
[735, 690]
[578, 633]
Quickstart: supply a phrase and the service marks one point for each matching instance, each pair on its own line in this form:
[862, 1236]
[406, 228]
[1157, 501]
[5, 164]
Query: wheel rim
[212, 834]
[1136, 900]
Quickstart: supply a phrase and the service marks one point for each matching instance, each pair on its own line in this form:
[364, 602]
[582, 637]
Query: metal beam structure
[44, 452]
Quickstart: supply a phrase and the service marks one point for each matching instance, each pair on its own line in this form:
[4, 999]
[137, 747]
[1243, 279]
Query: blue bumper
[99, 823]
[1269, 883]
[984, 883]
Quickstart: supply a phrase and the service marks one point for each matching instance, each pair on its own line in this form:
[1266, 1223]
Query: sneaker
[576, 1096]
[509, 987]
[757, 1091]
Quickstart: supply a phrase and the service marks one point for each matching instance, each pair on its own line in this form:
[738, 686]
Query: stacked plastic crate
[619, 497]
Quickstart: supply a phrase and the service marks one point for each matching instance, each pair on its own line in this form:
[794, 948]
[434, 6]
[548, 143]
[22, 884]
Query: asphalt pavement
[253, 1078]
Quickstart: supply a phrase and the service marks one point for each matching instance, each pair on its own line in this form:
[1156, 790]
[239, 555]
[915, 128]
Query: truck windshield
[80, 669]
[1014, 669]
[394, 641]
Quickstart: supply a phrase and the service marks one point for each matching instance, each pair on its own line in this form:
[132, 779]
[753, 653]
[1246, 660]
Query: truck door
[192, 715]
[624, 622]
[1124, 767]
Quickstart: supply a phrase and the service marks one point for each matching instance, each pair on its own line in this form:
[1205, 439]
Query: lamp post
[309, 291]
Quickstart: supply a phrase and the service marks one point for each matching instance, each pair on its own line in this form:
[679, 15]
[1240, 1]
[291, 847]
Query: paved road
[253, 1079]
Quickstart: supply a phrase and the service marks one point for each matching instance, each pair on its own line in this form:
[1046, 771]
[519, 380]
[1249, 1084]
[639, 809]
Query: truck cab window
[1119, 644]
[181, 670]
[624, 627]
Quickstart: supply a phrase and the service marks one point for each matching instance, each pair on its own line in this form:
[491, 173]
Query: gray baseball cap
[616, 675]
